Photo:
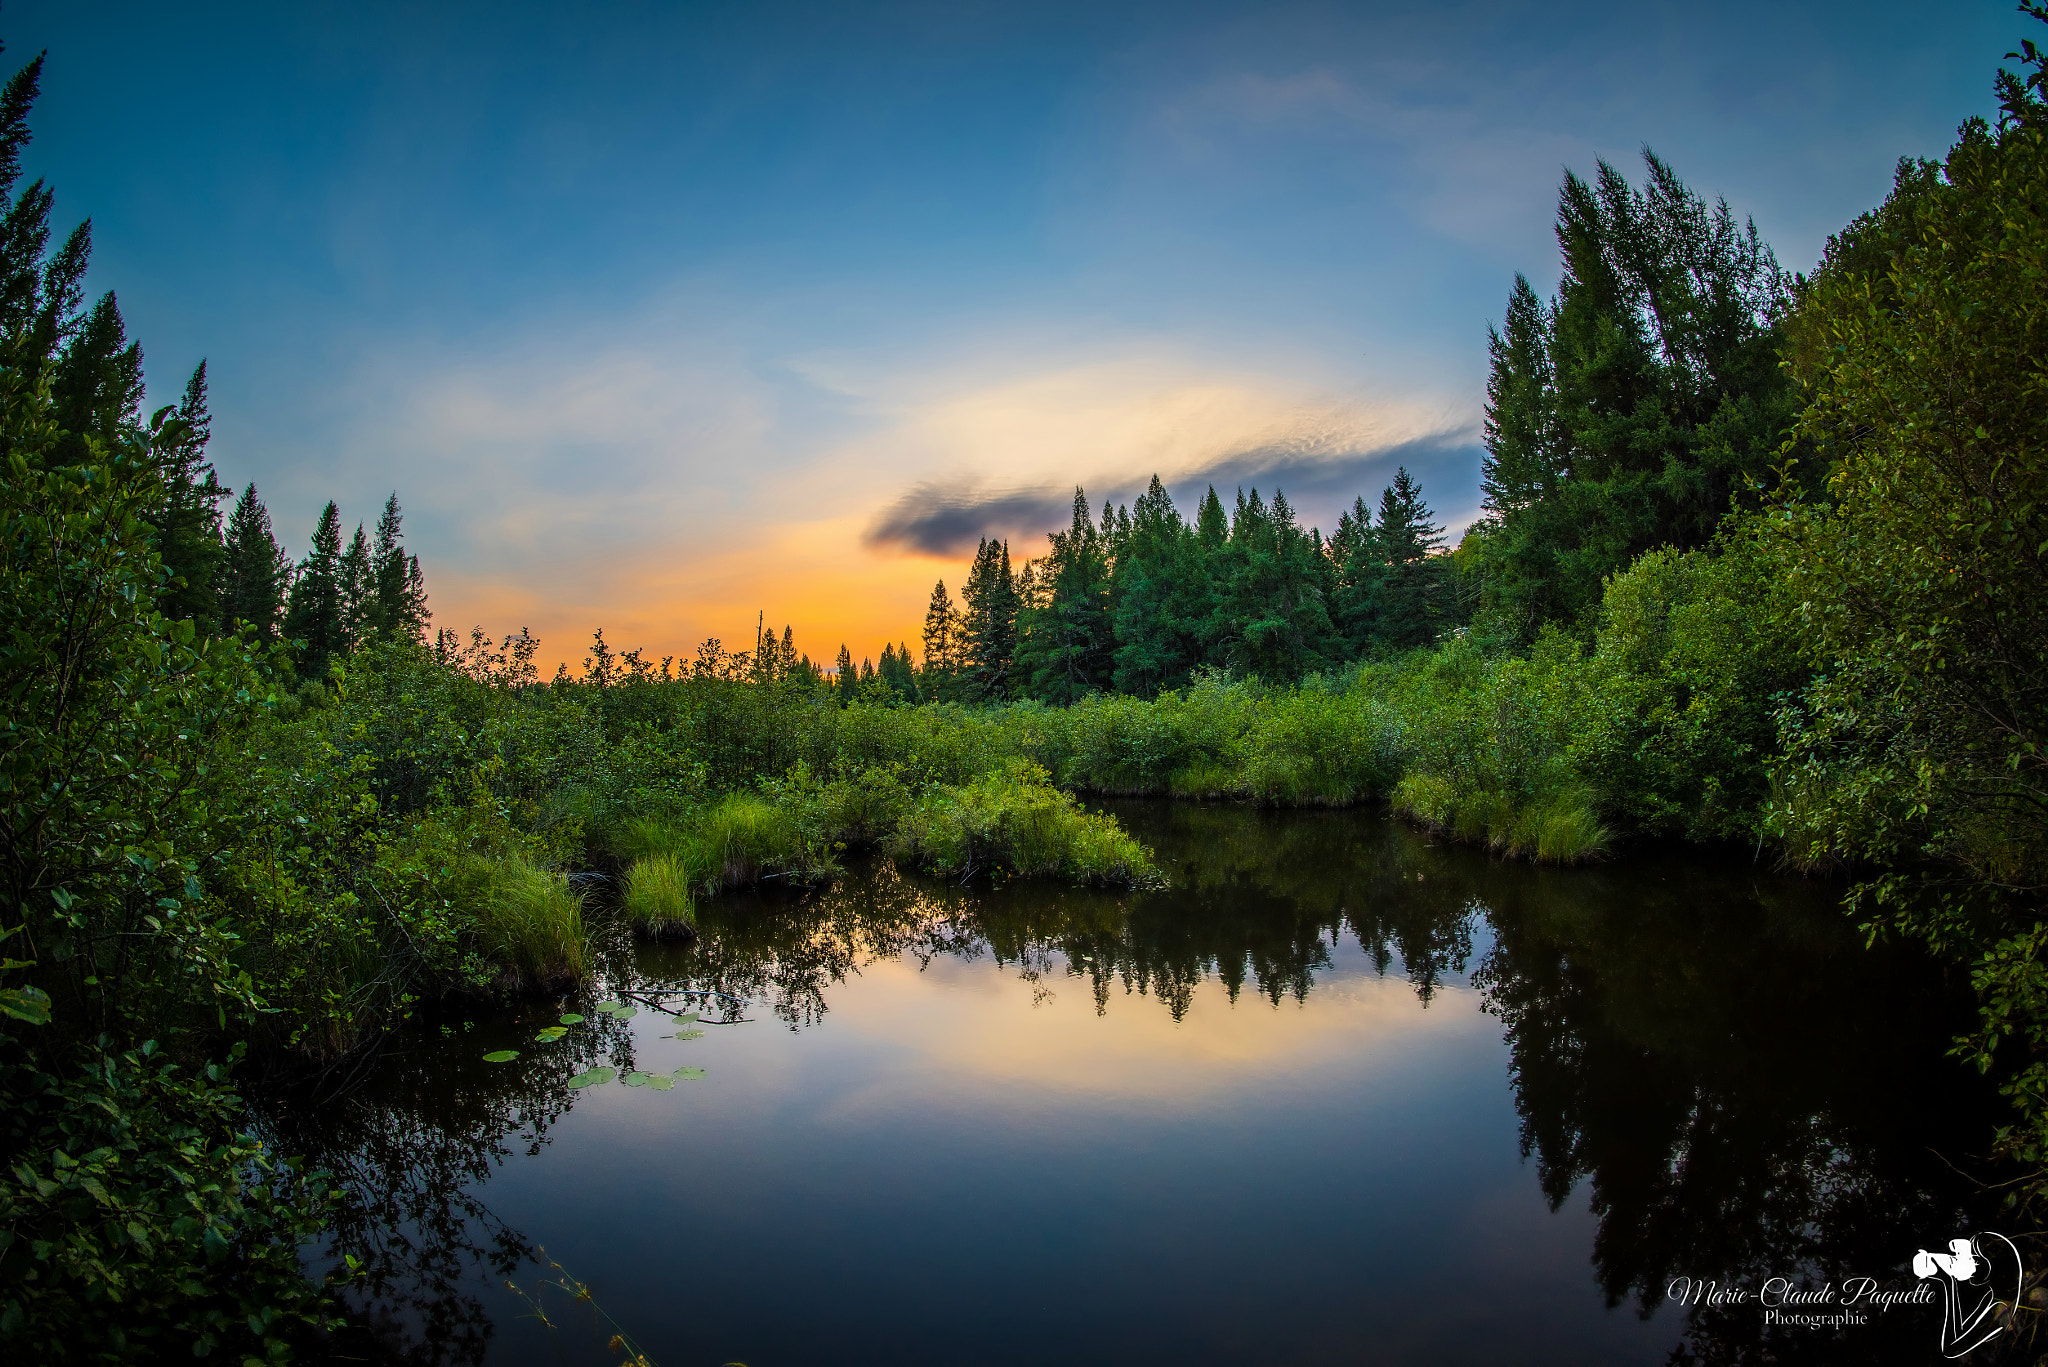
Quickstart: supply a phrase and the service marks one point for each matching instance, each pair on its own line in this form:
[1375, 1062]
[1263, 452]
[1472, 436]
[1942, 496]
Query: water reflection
[1706, 1055]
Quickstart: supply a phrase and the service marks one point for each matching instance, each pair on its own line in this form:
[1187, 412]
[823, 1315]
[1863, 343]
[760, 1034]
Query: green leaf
[606, 1008]
[30, 1004]
[636, 1078]
[550, 1033]
[625, 1013]
[592, 1077]
[501, 1056]
[687, 1074]
[685, 1034]
[660, 1082]
[571, 1018]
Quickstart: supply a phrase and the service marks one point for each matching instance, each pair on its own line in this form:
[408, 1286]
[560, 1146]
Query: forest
[1760, 567]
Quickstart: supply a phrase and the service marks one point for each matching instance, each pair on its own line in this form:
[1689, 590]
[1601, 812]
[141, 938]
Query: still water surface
[1341, 1095]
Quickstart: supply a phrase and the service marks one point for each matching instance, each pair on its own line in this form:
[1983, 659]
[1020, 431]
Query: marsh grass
[1560, 827]
[530, 921]
[656, 899]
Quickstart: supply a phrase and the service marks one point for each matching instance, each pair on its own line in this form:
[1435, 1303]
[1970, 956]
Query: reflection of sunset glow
[980, 1028]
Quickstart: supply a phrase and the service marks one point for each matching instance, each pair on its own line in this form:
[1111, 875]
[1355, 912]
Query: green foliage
[1017, 824]
[138, 1222]
[1625, 414]
[1915, 586]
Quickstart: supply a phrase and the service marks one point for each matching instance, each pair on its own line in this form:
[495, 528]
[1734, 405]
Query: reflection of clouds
[986, 1030]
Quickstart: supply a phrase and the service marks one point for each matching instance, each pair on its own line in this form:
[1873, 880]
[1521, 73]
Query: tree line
[1140, 600]
[219, 575]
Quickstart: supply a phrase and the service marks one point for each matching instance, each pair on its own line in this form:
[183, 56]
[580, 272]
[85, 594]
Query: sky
[659, 316]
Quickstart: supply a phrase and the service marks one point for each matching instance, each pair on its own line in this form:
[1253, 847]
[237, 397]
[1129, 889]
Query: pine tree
[316, 612]
[40, 292]
[942, 634]
[254, 570]
[1162, 596]
[358, 582]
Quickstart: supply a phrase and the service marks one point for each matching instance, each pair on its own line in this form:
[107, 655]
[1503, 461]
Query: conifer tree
[40, 291]
[990, 614]
[941, 646]
[1067, 647]
[187, 515]
[846, 682]
[316, 612]
[1626, 413]
[254, 570]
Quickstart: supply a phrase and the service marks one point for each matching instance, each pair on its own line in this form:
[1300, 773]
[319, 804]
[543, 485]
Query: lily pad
[661, 1082]
[571, 1018]
[625, 1013]
[686, 1020]
[593, 1076]
[549, 1034]
[687, 1074]
[606, 1008]
[636, 1078]
[501, 1056]
[685, 1034]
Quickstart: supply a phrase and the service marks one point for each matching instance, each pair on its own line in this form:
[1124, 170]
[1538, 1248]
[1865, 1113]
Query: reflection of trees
[409, 1151]
[1746, 1091]
[1257, 899]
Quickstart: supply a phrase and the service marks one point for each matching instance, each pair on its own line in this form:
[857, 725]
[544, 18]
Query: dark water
[1340, 1096]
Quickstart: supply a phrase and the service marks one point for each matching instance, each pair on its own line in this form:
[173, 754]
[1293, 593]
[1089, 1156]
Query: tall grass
[657, 899]
[530, 920]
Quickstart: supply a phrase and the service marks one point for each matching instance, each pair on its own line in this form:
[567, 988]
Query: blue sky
[655, 315]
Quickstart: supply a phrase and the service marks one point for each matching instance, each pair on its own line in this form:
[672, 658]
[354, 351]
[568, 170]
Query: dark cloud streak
[948, 519]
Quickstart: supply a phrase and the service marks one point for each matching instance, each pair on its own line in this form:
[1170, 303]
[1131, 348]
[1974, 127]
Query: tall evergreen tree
[1067, 648]
[397, 600]
[942, 646]
[1628, 412]
[254, 570]
[1272, 617]
[40, 291]
[846, 682]
[316, 611]
[187, 516]
[1163, 597]
[990, 613]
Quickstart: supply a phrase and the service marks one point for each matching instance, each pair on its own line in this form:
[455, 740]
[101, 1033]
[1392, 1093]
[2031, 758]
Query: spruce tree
[316, 612]
[941, 646]
[187, 516]
[40, 291]
[1066, 648]
[1628, 412]
[990, 614]
[846, 683]
[254, 570]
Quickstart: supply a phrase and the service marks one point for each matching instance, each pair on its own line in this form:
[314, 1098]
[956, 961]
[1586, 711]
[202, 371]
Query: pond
[1342, 1094]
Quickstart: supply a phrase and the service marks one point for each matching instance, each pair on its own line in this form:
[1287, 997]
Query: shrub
[1017, 824]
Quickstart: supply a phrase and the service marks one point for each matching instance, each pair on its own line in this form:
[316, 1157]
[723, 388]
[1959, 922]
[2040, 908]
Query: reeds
[657, 899]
